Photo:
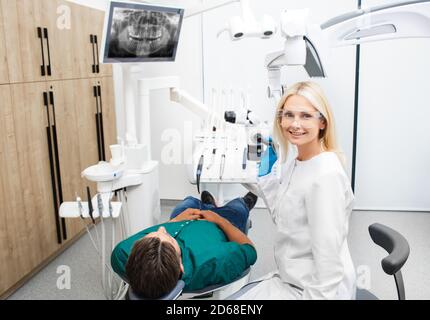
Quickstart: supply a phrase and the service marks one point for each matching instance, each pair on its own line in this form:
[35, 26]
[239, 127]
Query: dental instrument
[199, 172]
[222, 166]
[90, 206]
[245, 153]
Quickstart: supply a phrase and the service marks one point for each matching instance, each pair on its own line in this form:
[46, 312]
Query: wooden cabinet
[97, 30]
[107, 100]
[24, 45]
[27, 207]
[52, 40]
[83, 27]
[35, 135]
[13, 242]
[88, 27]
[4, 73]
[64, 100]
[87, 128]
[57, 117]
[84, 124]
[49, 133]
[61, 23]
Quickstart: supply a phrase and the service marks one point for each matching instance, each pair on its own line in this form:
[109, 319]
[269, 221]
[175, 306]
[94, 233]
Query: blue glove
[267, 160]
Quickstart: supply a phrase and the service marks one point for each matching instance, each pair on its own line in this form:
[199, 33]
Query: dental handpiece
[90, 205]
[81, 208]
[212, 159]
[244, 158]
[222, 165]
[199, 172]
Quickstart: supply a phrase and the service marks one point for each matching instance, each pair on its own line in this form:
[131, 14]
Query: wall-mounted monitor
[136, 32]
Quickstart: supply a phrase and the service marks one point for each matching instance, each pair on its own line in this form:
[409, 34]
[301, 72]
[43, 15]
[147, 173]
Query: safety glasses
[303, 118]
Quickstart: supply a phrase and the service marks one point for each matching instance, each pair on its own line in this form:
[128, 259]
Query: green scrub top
[207, 255]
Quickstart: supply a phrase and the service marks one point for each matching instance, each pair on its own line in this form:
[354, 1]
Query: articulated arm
[408, 19]
[192, 104]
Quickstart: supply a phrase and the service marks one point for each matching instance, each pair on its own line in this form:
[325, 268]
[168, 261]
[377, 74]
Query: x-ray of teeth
[143, 34]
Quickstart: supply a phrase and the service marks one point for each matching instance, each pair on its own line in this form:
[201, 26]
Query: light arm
[192, 104]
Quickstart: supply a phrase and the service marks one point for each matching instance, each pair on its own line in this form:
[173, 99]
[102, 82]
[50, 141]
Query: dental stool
[218, 292]
[398, 252]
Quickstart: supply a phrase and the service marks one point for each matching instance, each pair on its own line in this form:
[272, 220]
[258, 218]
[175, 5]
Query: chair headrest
[394, 243]
[172, 295]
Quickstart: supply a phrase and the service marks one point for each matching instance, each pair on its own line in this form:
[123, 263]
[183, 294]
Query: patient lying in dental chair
[202, 244]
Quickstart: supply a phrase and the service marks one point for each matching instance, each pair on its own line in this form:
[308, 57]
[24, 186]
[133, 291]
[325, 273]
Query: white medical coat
[310, 202]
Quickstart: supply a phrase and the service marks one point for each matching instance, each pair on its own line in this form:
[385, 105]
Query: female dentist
[310, 201]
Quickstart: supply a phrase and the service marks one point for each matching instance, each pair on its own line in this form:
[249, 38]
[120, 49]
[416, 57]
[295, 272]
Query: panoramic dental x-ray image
[143, 34]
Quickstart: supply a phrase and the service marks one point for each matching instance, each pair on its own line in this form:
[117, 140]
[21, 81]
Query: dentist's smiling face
[300, 121]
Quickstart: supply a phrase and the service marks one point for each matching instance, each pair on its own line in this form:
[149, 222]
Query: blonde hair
[312, 92]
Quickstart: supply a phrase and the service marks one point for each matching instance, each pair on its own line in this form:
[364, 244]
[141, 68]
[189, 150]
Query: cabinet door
[82, 26]
[87, 127]
[88, 29]
[16, 249]
[64, 99]
[39, 216]
[98, 26]
[109, 118]
[25, 49]
[4, 73]
[61, 23]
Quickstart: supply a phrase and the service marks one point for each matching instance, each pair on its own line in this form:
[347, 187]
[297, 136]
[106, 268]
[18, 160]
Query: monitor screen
[141, 33]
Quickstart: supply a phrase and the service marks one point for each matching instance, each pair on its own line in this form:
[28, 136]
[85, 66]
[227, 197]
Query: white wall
[393, 138]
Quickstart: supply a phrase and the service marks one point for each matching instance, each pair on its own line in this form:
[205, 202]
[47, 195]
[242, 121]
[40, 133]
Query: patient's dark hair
[153, 268]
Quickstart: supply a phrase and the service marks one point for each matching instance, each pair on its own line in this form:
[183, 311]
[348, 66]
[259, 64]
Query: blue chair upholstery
[172, 295]
[179, 289]
[208, 291]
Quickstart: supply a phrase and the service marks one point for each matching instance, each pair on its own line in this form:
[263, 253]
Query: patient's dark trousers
[234, 211]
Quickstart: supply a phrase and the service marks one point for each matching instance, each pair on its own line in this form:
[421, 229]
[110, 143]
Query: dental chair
[398, 252]
[218, 292]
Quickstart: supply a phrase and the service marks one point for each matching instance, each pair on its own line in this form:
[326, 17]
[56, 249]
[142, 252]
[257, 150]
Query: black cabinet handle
[98, 137]
[45, 33]
[97, 54]
[99, 147]
[42, 67]
[51, 165]
[93, 67]
[57, 162]
[102, 135]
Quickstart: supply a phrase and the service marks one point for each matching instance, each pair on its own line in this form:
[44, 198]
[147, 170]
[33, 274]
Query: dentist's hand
[267, 160]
